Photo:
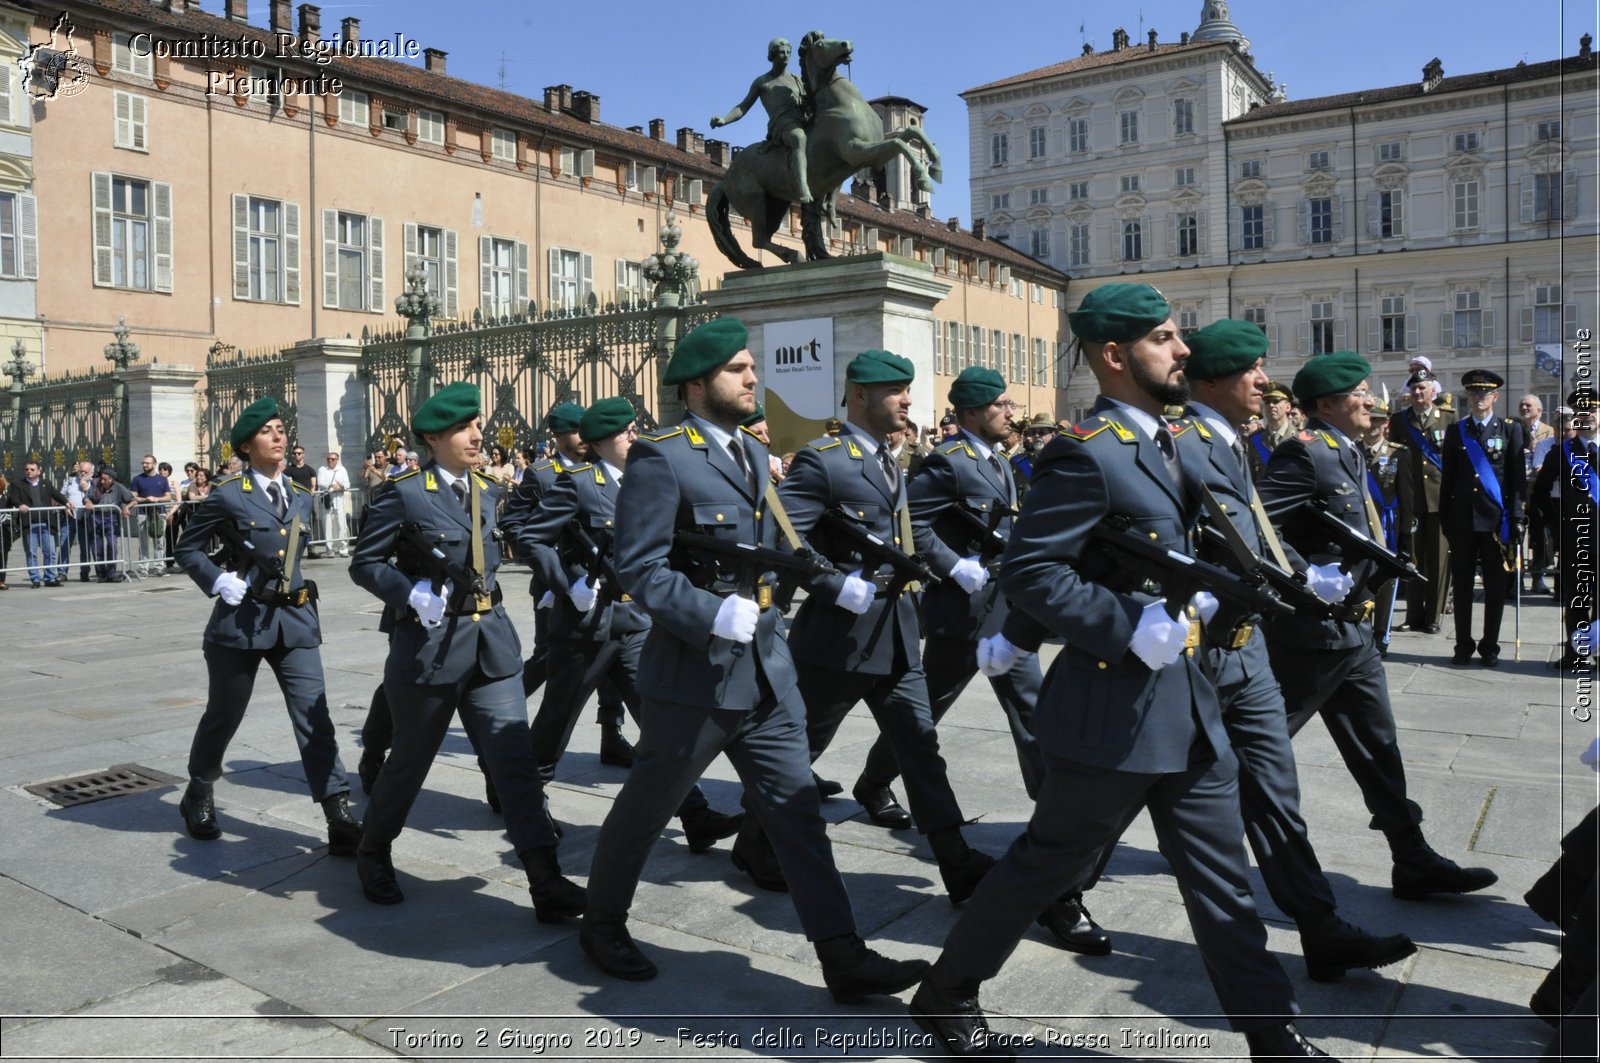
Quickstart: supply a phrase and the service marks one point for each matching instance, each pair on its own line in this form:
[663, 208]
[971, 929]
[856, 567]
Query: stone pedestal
[330, 400]
[160, 413]
[860, 303]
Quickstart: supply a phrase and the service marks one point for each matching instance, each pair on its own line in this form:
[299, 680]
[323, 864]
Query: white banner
[797, 367]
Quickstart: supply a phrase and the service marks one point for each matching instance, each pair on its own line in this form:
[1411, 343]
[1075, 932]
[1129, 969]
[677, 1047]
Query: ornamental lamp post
[121, 354]
[671, 271]
[418, 307]
[19, 369]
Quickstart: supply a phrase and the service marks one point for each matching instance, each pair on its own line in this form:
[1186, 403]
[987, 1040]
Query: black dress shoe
[853, 972]
[705, 827]
[1070, 924]
[1420, 872]
[881, 806]
[344, 833]
[959, 1026]
[1490, 660]
[199, 813]
[1281, 1042]
[368, 767]
[555, 897]
[827, 787]
[961, 876]
[615, 750]
[756, 859]
[1461, 657]
[1429, 629]
[376, 872]
[611, 948]
[1332, 946]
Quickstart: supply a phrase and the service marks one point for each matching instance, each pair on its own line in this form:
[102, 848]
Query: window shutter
[553, 258]
[1119, 241]
[1525, 325]
[291, 253]
[1267, 215]
[1236, 235]
[375, 263]
[1569, 322]
[139, 118]
[330, 258]
[1527, 199]
[1199, 232]
[620, 289]
[869, 239]
[1413, 331]
[7, 87]
[1487, 328]
[587, 288]
[522, 279]
[161, 198]
[1338, 218]
[1302, 213]
[1172, 236]
[241, 246]
[696, 195]
[452, 297]
[1303, 337]
[938, 258]
[1373, 213]
[1339, 334]
[586, 163]
[1375, 333]
[647, 179]
[1272, 339]
[1447, 330]
[1569, 195]
[486, 273]
[409, 239]
[569, 161]
[123, 119]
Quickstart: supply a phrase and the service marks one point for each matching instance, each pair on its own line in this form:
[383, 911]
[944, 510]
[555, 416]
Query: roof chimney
[954, 225]
[1432, 74]
[586, 106]
[639, 129]
[1088, 49]
[658, 129]
[686, 137]
[1152, 40]
[1119, 39]
[310, 22]
[1183, 38]
[349, 31]
[552, 98]
[279, 16]
[236, 10]
[977, 228]
[717, 151]
[432, 58]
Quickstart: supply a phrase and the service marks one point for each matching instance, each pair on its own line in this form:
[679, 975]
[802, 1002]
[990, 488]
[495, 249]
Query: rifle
[750, 561]
[595, 560]
[1363, 546]
[907, 568]
[265, 568]
[436, 567]
[1220, 533]
[991, 544]
[1179, 574]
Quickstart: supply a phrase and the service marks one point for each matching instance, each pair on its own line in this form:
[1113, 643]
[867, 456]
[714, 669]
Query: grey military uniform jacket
[679, 480]
[537, 481]
[252, 624]
[1100, 705]
[468, 639]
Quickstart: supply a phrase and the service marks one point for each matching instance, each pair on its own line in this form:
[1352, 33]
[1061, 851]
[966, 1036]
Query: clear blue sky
[687, 60]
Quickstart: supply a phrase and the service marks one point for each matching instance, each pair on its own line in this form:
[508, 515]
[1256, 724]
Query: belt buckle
[483, 603]
[1241, 636]
[764, 596]
[625, 598]
[299, 597]
[1366, 610]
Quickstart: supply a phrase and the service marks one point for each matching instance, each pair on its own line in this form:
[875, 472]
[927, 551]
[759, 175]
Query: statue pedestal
[809, 319]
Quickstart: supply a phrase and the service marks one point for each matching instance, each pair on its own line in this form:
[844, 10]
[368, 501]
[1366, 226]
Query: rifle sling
[291, 555]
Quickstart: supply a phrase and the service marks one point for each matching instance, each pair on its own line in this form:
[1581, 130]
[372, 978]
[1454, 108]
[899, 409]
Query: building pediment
[1000, 118]
[1038, 110]
[1080, 212]
[1318, 185]
[1128, 94]
[1465, 168]
[1078, 105]
[1181, 86]
[1186, 199]
[1039, 214]
[1002, 218]
[1130, 204]
[1390, 171]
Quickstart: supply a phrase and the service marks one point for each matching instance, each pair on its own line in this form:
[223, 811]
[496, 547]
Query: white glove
[1205, 604]
[1329, 583]
[970, 575]
[1159, 639]
[429, 606]
[736, 619]
[230, 587]
[583, 596]
[856, 594]
[996, 655]
[1583, 639]
[547, 601]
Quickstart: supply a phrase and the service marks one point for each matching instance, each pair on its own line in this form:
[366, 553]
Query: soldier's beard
[1171, 391]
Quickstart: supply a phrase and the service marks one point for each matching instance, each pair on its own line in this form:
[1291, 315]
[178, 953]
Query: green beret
[706, 349]
[1224, 348]
[448, 407]
[249, 423]
[1119, 313]
[976, 386]
[879, 367]
[1330, 374]
[564, 417]
[755, 418]
[606, 418]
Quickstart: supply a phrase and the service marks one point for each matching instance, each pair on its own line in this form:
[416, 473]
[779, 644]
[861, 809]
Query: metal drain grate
[117, 781]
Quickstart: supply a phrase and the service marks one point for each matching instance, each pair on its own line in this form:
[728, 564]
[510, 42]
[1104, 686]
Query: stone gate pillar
[330, 400]
[160, 413]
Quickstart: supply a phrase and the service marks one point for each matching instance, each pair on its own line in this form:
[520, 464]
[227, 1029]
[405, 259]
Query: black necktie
[1169, 453]
[741, 459]
[275, 493]
[460, 488]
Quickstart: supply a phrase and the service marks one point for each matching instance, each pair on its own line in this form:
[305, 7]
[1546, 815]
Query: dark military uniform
[1481, 529]
[1388, 474]
[1421, 531]
[1260, 444]
[536, 483]
[1573, 465]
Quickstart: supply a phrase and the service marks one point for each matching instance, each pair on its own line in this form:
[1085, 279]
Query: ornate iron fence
[235, 379]
[61, 421]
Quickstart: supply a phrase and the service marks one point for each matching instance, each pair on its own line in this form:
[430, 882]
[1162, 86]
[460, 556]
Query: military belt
[295, 599]
[472, 604]
[1354, 614]
[728, 590]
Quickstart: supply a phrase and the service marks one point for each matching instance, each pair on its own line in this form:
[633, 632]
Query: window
[1392, 323]
[955, 354]
[1465, 142]
[1322, 326]
[1078, 244]
[1036, 142]
[354, 108]
[1389, 220]
[1039, 243]
[1000, 201]
[1391, 151]
[1317, 160]
[1466, 322]
[1077, 135]
[1320, 220]
[1464, 204]
[631, 287]
[1549, 130]
[1183, 177]
[396, 120]
[503, 145]
[502, 276]
[1257, 316]
[1041, 363]
[132, 233]
[1185, 235]
[266, 250]
[1128, 124]
[1038, 196]
[1548, 314]
[131, 130]
[978, 346]
[1547, 197]
[939, 366]
[1078, 190]
[19, 236]
[128, 60]
[434, 249]
[1253, 228]
[1188, 319]
[430, 127]
[1132, 240]
[1182, 118]
[1036, 293]
[1130, 183]
[1250, 170]
[350, 261]
[571, 278]
[1019, 354]
[999, 149]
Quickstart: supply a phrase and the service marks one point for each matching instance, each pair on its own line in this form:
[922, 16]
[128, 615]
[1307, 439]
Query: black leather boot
[199, 812]
[1070, 924]
[555, 897]
[956, 1022]
[615, 750]
[608, 943]
[960, 866]
[1281, 1042]
[1419, 871]
[376, 871]
[1332, 946]
[853, 972]
[344, 833]
[753, 855]
[705, 827]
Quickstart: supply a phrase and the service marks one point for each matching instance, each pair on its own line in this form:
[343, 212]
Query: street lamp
[121, 353]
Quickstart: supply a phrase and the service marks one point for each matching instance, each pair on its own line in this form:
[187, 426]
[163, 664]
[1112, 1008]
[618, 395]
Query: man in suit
[1329, 666]
[715, 673]
[266, 611]
[1483, 484]
[452, 648]
[596, 629]
[857, 636]
[1573, 470]
[1540, 436]
[1420, 429]
[1127, 718]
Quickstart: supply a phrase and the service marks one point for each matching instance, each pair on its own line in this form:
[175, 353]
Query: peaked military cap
[755, 418]
[1119, 313]
[564, 417]
[1583, 397]
[706, 349]
[1275, 388]
[1482, 380]
[606, 418]
[976, 386]
[879, 367]
[249, 423]
[1224, 348]
[1330, 374]
[1420, 376]
[449, 406]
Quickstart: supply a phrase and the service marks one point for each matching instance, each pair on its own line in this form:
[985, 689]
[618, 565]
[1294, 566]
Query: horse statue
[844, 136]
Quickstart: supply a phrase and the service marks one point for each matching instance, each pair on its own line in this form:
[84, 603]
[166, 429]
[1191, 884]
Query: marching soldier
[596, 629]
[1386, 469]
[1575, 466]
[1330, 666]
[429, 550]
[266, 611]
[715, 673]
[1420, 429]
[1127, 718]
[1483, 482]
